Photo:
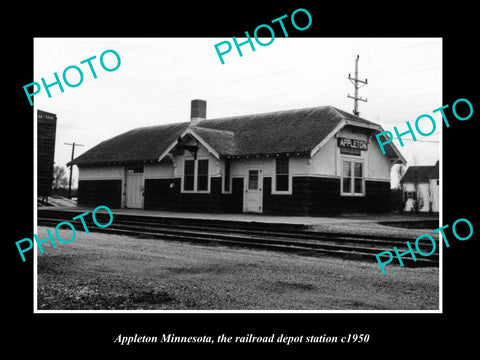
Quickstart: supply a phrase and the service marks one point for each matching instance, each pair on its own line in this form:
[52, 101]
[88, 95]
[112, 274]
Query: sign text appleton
[351, 143]
[351, 146]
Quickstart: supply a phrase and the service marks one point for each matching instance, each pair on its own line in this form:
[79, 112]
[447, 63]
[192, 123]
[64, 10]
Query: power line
[432, 141]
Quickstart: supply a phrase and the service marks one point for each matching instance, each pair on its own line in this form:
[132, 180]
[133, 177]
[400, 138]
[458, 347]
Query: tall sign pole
[71, 168]
[355, 81]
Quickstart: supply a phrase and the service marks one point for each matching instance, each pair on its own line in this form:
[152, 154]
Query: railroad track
[278, 237]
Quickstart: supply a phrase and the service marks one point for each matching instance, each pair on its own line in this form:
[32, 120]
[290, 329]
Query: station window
[195, 175]
[252, 179]
[226, 181]
[189, 175]
[410, 195]
[135, 169]
[202, 175]
[282, 178]
[353, 181]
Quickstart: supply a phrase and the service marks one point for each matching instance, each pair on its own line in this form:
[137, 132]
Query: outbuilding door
[134, 195]
[253, 195]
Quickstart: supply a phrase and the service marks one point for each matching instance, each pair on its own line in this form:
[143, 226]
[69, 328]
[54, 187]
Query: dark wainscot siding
[164, 194]
[159, 193]
[236, 203]
[317, 196]
[311, 196]
[295, 204]
[378, 196]
[100, 192]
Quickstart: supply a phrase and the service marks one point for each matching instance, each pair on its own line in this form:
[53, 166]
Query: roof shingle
[419, 174]
[291, 131]
[137, 145]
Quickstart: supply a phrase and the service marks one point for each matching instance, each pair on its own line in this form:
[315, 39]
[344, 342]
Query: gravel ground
[109, 272]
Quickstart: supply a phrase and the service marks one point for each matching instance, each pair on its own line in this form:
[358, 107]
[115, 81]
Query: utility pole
[71, 168]
[355, 82]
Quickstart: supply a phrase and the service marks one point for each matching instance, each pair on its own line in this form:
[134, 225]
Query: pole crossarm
[357, 98]
[355, 81]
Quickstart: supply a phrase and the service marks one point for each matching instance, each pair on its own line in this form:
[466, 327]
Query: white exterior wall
[158, 171]
[151, 171]
[297, 166]
[422, 193]
[328, 160]
[325, 161]
[202, 153]
[435, 194]
[101, 172]
[379, 166]
[239, 168]
[115, 172]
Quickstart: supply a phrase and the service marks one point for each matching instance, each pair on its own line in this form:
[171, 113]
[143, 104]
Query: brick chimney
[198, 111]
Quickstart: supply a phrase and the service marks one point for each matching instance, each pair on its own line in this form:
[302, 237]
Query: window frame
[207, 175]
[195, 177]
[135, 169]
[224, 177]
[274, 190]
[410, 195]
[184, 176]
[352, 177]
[257, 188]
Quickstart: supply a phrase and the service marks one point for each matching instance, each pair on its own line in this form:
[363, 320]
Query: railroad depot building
[297, 162]
[421, 188]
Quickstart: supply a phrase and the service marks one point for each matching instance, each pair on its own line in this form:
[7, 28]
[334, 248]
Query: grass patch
[417, 224]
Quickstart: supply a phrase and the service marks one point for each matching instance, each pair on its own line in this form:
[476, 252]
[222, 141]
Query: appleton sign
[351, 146]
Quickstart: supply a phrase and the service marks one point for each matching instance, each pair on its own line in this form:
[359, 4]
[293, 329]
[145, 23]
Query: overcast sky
[158, 77]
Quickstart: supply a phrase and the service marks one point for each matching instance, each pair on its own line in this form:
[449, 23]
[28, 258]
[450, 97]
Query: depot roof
[423, 173]
[300, 131]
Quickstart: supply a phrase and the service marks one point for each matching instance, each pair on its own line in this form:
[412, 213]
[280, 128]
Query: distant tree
[419, 201]
[430, 198]
[399, 171]
[60, 180]
[398, 198]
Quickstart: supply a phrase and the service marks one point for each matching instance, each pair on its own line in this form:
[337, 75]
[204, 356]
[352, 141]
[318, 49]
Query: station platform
[350, 219]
